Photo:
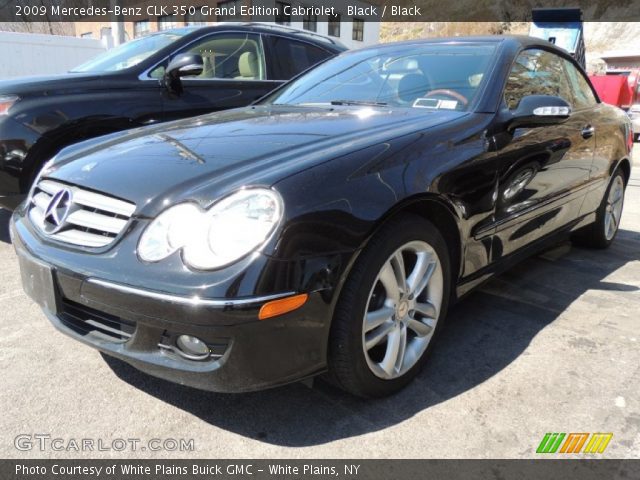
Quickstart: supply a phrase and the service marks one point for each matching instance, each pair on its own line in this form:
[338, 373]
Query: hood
[204, 157]
[44, 84]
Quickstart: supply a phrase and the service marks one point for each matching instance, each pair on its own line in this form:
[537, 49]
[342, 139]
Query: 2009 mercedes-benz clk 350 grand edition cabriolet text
[328, 227]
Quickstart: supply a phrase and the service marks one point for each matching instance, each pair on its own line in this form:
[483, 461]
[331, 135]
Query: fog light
[192, 346]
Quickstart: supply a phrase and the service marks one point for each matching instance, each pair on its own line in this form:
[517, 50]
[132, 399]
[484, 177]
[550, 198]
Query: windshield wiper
[359, 102]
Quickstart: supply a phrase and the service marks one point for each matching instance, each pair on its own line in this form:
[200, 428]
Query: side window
[582, 94]
[235, 56]
[289, 57]
[537, 72]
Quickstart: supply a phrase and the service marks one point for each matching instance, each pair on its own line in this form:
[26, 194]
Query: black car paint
[342, 176]
[56, 111]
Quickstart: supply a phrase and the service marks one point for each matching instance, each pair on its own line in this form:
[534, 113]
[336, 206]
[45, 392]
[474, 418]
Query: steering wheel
[449, 93]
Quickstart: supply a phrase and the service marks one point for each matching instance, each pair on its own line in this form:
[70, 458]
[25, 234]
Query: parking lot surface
[552, 345]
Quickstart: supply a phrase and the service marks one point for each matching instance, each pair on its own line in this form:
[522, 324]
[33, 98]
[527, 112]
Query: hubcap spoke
[421, 274]
[389, 282]
[377, 317]
[617, 199]
[397, 263]
[390, 359]
[376, 336]
[422, 329]
[402, 349]
[427, 309]
[616, 194]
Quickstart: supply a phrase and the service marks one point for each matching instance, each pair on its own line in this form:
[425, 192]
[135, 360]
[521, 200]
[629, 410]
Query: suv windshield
[433, 76]
[130, 53]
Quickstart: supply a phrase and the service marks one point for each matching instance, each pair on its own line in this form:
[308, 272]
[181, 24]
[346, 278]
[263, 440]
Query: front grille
[85, 320]
[90, 220]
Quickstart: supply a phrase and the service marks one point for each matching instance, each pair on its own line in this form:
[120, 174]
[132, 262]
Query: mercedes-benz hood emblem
[57, 211]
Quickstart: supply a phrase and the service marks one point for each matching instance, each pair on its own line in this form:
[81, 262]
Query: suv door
[290, 57]
[234, 75]
[543, 171]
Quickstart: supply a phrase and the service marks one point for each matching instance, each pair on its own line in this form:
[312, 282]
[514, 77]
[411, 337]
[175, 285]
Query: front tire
[390, 309]
[602, 232]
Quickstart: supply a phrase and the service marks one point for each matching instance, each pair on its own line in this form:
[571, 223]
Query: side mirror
[183, 65]
[538, 111]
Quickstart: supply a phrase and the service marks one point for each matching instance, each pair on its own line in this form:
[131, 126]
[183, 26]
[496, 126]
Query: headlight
[231, 229]
[6, 101]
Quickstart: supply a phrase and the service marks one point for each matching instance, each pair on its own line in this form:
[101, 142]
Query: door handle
[588, 131]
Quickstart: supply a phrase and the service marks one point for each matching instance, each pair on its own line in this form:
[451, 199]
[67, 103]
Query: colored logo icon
[574, 443]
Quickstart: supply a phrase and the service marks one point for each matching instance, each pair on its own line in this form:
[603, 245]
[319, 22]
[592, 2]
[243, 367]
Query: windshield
[130, 53]
[433, 76]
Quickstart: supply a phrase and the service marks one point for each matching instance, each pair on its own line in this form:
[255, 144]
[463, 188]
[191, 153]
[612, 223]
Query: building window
[196, 19]
[167, 21]
[283, 17]
[87, 35]
[358, 29]
[230, 10]
[141, 28]
[334, 25]
[310, 22]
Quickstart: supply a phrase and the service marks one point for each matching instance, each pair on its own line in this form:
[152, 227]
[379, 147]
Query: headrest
[412, 86]
[248, 65]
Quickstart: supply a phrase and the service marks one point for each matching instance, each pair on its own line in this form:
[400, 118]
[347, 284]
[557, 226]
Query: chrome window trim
[190, 301]
[294, 31]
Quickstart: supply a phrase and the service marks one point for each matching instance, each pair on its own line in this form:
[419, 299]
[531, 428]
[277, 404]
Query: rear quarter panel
[611, 148]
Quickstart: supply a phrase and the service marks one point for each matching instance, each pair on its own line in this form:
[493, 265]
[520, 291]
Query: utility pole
[117, 25]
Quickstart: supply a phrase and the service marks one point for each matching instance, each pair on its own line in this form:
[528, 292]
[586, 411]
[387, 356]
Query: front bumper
[140, 326]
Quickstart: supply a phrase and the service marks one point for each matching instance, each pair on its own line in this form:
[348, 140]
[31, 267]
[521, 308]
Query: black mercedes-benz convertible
[328, 227]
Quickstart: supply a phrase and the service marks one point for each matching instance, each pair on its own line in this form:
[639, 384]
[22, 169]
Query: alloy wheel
[613, 209]
[402, 310]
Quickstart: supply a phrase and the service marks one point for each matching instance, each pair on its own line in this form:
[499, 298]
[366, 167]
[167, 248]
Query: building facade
[622, 61]
[346, 26]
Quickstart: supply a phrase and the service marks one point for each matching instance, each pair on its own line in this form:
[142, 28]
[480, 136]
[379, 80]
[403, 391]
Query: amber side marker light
[282, 306]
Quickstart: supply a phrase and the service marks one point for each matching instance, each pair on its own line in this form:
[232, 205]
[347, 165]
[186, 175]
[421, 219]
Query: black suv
[164, 76]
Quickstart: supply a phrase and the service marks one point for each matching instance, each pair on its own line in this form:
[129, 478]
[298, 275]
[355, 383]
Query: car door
[606, 129]
[543, 171]
[234, 75]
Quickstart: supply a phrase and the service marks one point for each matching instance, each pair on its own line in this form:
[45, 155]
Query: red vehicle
[622, 89]
[619, 88]
[612, 89]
